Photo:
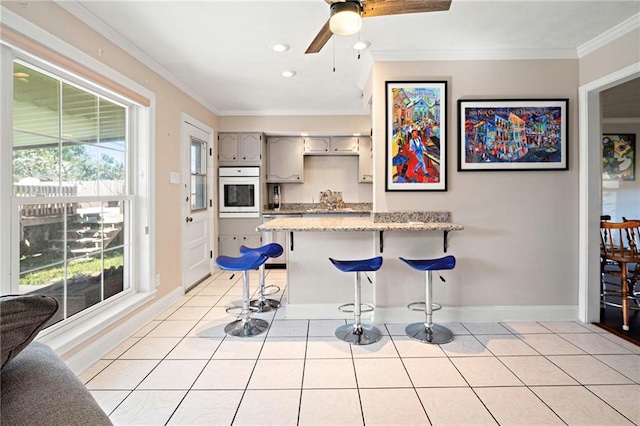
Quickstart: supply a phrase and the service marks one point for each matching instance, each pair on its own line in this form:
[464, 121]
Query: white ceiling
[220, 51]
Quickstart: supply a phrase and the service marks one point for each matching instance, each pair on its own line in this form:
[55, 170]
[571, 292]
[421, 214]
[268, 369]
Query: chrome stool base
[365, 335]
[436, 334]
[265, 305]
[246, 328]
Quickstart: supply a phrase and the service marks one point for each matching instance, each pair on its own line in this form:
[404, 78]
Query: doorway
[590, 204]
[197, 195]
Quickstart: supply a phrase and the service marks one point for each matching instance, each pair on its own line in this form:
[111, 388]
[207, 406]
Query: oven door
[239, 197]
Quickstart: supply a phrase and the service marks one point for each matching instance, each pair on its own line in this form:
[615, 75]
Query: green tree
[78, 162]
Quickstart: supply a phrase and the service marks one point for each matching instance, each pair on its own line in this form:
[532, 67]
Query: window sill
[66, 338]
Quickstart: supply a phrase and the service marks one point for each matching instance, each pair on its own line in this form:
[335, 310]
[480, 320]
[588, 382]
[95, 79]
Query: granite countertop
[342, 224]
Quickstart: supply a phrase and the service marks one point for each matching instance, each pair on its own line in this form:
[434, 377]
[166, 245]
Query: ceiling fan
[346, 14]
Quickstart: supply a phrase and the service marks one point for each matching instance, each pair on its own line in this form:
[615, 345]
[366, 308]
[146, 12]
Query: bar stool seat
[358, 333]
[270, 251]
[245, 326]
[428, 332]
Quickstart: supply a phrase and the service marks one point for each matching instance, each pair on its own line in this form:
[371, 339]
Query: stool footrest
[240, 310]
[346, 306]
[271, 292]
[422, 306]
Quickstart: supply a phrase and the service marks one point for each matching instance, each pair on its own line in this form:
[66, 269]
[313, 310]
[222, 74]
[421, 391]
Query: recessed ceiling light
[289, 73]
[361, 44]
[280, 47]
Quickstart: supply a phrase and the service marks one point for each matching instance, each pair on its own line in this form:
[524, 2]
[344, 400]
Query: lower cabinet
[229, 245]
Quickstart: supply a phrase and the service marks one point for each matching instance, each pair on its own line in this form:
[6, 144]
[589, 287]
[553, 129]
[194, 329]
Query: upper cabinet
[239, 149]
[331, 145]
[285, 159]
[365, 160]
[317, 145]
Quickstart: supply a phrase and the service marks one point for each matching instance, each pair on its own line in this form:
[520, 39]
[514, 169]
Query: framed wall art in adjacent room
[619, 156]
[416, 130]
[513, 134]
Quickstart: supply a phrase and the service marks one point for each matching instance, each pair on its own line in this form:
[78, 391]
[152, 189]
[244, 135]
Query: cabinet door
[365, 161]
[317, 145]
[250, 148]
[344, 145]
[285, 160]
[229, 245]
[252, 241]
[228, 148]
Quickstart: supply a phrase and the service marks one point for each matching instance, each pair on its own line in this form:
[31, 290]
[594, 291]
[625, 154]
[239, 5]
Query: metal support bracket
[446, 234]
[381, 242]
[291, 239]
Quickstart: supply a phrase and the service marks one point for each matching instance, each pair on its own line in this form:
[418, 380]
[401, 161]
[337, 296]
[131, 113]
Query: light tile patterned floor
[181, 369]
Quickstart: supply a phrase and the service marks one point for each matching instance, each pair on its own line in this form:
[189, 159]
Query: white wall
[338, 173]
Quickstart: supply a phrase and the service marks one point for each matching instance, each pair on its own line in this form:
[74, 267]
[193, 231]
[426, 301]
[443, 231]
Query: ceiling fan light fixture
[289, 73]
[345, 18]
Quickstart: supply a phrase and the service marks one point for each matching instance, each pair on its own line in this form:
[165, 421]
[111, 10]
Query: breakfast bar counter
[316, 288]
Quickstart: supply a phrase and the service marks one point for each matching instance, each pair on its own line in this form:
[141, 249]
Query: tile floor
[181, 369]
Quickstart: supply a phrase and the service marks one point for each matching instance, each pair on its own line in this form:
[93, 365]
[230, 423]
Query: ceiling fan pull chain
[334, 53]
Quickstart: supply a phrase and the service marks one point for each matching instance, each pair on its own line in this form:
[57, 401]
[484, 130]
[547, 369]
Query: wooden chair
[619, 244]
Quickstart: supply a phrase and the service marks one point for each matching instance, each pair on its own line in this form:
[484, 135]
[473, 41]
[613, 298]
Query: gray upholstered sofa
[36, 386]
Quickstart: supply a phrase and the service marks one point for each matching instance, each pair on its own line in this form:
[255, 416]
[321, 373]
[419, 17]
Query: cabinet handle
[234, 158]
[326, 149]
[244, 158]
[298, 177]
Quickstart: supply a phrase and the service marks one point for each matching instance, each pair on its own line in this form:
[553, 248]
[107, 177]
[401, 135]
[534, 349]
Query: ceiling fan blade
[321, 39]
[398, 7]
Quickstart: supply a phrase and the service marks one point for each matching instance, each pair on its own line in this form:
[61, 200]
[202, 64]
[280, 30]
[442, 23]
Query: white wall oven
[239, 192]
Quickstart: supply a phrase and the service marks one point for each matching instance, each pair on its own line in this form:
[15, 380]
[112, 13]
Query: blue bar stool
[262, 303]
[245, 326]
[358, 333]
[428, 332]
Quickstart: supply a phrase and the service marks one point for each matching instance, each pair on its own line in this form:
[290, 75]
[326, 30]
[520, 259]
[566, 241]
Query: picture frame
[416, 136]
[619, 156]
[513, 134]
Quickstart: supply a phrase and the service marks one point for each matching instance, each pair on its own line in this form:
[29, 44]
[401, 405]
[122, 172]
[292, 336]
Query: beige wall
[171, 103]
[520, 242]
[616, 55]
[293, 125]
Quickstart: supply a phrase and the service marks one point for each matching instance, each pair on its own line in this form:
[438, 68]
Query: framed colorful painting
[518, 134]
[619, 156]
[416, 126]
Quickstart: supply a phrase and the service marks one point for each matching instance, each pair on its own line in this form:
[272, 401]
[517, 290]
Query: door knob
[189, 219]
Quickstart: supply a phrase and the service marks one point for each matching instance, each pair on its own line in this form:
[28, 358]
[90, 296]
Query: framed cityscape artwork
[515, 134]
[416, 129]
[619, 156]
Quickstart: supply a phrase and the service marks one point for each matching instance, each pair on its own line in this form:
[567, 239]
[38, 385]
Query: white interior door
[197, 187]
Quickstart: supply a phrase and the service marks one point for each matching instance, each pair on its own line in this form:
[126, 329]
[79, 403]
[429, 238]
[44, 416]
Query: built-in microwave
[239, 191]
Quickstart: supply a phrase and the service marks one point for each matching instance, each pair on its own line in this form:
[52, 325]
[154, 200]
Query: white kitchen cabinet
[239, 149]
[365, 160]
[344, 145]
[285, 160]
[229, 245]
[317, 145]
[331, 145]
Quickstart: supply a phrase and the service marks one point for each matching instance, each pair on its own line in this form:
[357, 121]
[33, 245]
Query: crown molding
[472, 55]
[610, 35]
[98, 25]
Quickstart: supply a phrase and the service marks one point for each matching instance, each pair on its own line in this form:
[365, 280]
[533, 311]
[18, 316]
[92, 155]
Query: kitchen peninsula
[316, 288]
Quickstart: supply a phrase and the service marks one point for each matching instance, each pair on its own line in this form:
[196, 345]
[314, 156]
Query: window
[70, 167]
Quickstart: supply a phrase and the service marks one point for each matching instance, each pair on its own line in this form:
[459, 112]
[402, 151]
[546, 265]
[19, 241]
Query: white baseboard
[105, 344]
[446, 314]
